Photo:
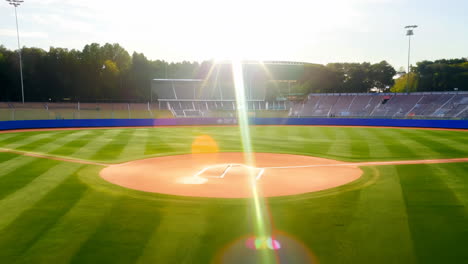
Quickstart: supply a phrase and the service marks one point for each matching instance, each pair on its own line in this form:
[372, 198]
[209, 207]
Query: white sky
[313, 31]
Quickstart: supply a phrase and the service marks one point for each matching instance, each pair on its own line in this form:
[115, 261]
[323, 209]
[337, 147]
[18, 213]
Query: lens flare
[204, 144]
[249, 249]
[260, 243]
[262, 222]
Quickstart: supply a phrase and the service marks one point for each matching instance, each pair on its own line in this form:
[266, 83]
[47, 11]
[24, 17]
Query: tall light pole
[409, 33]
[16, 3]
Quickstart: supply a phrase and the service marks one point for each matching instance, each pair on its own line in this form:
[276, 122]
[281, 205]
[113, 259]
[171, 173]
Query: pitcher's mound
[227, 175]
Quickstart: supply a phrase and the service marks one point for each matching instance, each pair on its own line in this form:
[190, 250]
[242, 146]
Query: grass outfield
[59, 212]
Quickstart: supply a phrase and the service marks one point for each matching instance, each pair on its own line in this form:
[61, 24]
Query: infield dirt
[201, 175]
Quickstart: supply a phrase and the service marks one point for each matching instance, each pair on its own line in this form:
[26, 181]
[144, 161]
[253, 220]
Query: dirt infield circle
[224, 175]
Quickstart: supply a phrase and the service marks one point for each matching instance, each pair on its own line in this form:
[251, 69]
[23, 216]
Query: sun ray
[206, 80]
[262, 221]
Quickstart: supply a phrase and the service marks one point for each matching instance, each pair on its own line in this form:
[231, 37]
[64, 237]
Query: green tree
[400, 83]
[443, 75]
[320, 79]
[381, 75]
[139, 78]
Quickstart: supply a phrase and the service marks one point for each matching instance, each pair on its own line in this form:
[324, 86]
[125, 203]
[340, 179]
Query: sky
[294, 30]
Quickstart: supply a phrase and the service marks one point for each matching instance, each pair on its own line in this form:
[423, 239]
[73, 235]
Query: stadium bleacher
[433, 105]
[196, 97]
[416, 105]
[47, 110]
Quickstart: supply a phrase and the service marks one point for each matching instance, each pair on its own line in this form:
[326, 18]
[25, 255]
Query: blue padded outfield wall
[69, 123]
[463, 124]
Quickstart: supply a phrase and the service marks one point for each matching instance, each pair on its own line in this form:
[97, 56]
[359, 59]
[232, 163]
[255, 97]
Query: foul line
[45, 156]
[377, 163]
[262, 169]
[354, 164]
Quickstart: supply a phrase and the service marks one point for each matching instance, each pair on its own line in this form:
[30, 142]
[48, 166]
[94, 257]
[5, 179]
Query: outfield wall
[70, 123]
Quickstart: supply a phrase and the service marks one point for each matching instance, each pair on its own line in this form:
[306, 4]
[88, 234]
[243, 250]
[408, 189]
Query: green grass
[59, 212]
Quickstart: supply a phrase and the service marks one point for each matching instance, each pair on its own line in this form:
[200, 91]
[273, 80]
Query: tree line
[109, 72]
[96, 73]
[426, 76]
[347, 77]
[439, 75]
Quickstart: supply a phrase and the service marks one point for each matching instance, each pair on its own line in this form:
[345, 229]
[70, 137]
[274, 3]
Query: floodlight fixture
[409, 33]
[17, 3]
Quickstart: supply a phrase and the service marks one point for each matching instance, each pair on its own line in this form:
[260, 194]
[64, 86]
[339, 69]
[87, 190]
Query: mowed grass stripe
[34, 222]
[329, 132]
[323, 138]
[78, 142]
[324, 224]
[456, 139]
[327, 137]
[27, 138]
[255, 131]
[21, 176]
[4, 137]
[5, 156]
[224, 224]
[228, 139]
[157, 142]
[285, 141]
[114, 147]
[359, 144]
[454, 176]
[438, 220]
[377, 148]
[94, 144]
[312, 140]
[60, 141]
[136, 145]
[341, 146]
[16, 203]
[42, 141]
[9, 138]
[382, 232]
[185, 235]
[418, 146]
[396, 145]
[261, 137]
[11, 164]
[443, 149]
[123, 233]
[65, 238]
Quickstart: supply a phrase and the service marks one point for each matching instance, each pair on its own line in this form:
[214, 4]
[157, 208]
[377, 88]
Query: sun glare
[204, 144]
[262, 222]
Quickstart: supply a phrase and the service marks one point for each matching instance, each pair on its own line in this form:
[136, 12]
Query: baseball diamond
[233, 132]
[113, 193]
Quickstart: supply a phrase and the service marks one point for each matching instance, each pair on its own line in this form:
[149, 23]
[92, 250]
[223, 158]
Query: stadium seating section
[415, 105]
[41, 111]
[427, 105]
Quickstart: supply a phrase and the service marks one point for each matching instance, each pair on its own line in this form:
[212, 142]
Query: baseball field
[62, 199]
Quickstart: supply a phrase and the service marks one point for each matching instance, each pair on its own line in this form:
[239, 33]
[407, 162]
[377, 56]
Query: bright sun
[265, 30]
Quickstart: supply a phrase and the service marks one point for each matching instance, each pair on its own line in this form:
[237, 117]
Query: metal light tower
[409, 33]
[16, 3]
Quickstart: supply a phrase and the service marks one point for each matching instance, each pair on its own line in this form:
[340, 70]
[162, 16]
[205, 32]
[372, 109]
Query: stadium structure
[215, 93]
[268, 94]
[440, 105]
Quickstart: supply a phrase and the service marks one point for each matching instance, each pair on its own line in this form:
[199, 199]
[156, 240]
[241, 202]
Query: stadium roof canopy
[263, 62]
[178, 80]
